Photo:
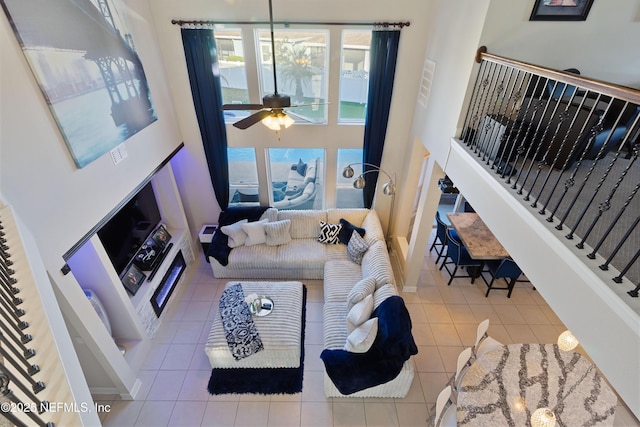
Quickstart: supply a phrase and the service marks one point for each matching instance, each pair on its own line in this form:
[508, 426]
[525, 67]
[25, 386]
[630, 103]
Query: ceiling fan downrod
[273, 50]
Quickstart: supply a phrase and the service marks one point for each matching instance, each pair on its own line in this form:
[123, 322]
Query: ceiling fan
[271, 112]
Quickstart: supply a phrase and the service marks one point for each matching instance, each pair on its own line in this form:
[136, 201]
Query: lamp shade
[543, 417]
[359, 182]
[348, 172]
[389, 188]
[285, 120]
[271, 122]
[567, 341]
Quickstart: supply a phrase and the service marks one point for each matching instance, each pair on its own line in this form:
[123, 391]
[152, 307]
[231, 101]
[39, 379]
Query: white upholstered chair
[484, 343]
[445, 415]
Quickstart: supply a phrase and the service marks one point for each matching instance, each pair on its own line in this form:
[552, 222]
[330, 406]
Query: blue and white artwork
[85, 63]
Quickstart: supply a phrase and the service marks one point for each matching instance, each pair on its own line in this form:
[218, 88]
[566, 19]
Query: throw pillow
[255, 232]
[329, 233]
[357, 247]
[347, 230]
[362, 337]
[237, 236]
[278, 232]
[383, 293]
[360, 313]
[364, 287]
[302, 167]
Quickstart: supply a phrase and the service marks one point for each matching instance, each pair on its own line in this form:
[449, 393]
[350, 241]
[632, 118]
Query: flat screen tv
[126, 231]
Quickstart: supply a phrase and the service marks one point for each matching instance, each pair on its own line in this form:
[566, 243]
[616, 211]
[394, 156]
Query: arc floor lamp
[388, 188]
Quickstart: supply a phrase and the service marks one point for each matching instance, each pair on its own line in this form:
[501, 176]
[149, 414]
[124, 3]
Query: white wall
[58, 202]
[201, 205]
[604, 47]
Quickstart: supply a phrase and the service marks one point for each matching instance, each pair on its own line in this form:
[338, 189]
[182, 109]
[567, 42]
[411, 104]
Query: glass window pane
[297, 177]
[233, 74]
[346, 195]
[354, 76]
[243, 176]
[301, 65]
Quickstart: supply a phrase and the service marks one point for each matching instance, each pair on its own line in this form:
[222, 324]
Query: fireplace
[168, 284]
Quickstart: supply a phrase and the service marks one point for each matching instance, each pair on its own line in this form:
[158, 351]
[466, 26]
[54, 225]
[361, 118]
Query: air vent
[428, 71]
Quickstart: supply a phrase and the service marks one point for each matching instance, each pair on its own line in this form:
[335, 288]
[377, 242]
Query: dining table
[503, 387]
[480, 242]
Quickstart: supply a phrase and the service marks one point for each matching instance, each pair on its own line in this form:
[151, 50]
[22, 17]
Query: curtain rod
[287, 23]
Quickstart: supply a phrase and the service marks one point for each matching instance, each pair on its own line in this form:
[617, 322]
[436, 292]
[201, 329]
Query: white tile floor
[445, 318]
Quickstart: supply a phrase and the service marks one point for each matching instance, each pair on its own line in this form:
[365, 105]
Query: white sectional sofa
[304, 257]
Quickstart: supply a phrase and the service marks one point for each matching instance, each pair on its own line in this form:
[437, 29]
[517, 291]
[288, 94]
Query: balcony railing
[568, 145]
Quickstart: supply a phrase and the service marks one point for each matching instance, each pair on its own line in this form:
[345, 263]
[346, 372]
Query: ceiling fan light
[285, 120]
[271, 122]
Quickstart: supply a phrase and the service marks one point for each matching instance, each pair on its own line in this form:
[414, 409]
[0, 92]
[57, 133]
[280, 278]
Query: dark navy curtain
[384, 51]
[202, 64]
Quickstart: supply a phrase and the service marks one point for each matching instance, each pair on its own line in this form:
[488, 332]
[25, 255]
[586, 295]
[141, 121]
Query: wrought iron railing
[29, 395]
[568, 145]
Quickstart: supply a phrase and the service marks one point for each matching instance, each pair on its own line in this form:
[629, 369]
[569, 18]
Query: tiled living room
[176, 373]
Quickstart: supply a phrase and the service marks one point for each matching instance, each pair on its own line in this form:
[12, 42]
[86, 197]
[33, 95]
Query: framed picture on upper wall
[560, 10]
[85, 63]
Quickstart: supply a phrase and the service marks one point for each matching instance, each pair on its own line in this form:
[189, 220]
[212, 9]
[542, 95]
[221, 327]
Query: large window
[354, 76]
[243, 176]
[301, 65]
[297, 177]
[346, 195]
[233, 73]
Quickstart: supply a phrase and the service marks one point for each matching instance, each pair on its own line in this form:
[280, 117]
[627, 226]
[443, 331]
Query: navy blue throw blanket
[394, 344]
[219, 247]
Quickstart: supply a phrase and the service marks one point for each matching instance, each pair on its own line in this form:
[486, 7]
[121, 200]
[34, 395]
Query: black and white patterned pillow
[329, 233]
[357, 247]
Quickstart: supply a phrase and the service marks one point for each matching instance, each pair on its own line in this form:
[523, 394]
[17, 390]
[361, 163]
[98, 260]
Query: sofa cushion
[376, 264]
[255, 232]
[354, 216]
[334, 327]
[338, 277]
[383, 293]
[371, 224]
[301, 254]
[270, 214]
[357, 247]
[278, 232]
[256, 256]
[236, 234]
[360, 313]
[348, 229]
[305, 224]
[360, 290]
[361, 338]
[337, 252]
[329, 233]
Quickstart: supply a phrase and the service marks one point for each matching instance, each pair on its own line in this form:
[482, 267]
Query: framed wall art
[133, 278]
[560, 10]
[83, 59]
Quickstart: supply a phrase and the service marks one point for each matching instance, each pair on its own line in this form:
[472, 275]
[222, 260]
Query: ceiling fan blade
[242, 107]
[252, 119]
[309, 105]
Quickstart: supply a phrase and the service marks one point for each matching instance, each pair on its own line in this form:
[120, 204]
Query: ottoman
[280, 330]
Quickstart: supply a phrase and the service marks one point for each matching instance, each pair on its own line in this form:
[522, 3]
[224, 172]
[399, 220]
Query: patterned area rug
[262, 380]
